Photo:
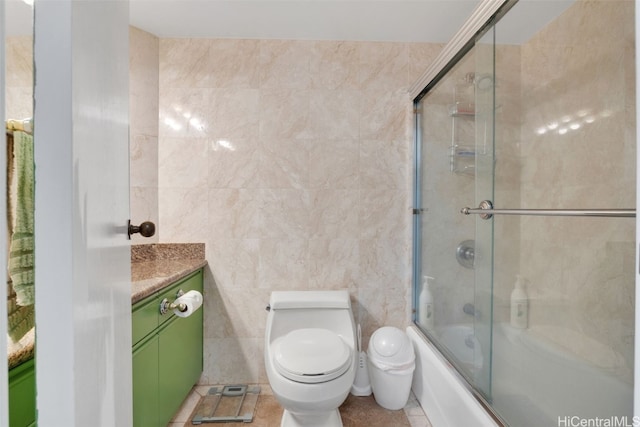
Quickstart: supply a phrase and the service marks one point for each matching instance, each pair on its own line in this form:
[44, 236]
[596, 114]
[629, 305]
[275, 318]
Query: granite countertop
[153, 267]
[156, 266]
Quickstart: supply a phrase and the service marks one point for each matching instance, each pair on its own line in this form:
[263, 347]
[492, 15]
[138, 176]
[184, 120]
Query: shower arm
[486, 211]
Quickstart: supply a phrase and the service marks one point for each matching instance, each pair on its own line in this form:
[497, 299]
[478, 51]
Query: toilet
[310, 355]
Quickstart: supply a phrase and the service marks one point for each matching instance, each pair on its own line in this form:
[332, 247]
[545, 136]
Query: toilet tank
[290, 310]
[309, 299]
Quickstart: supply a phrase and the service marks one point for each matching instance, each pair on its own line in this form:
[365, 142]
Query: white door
[83, 296]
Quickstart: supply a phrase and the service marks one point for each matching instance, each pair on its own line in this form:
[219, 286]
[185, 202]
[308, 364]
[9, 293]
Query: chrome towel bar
[486, 211]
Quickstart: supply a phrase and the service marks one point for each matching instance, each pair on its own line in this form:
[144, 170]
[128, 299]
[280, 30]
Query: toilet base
[326, 419]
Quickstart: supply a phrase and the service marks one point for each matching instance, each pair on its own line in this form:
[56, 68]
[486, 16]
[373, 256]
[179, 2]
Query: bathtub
[441, 391]
[526, 369]
[523, 366]
[465, 346]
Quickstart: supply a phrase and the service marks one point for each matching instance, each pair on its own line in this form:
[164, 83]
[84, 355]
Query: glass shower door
[453, 266]
[565, 140]
[535, 311]
[483, 267]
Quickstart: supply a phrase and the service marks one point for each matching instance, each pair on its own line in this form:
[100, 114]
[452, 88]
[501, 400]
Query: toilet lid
[311, 355]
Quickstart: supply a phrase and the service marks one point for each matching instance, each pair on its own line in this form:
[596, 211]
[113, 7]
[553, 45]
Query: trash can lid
[390, 347]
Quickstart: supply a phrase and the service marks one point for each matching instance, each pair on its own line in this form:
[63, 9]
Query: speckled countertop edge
[166, 272]
[156, 266]
[153, 267]
[166, 251]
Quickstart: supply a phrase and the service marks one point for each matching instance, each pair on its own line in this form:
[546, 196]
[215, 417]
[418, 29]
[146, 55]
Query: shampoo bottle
[425, 301]
[519, 305]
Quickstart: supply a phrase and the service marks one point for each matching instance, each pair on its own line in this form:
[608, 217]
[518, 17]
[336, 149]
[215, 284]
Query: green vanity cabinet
[144, 318]
[145, 382]
[22, 395]
[167, 355]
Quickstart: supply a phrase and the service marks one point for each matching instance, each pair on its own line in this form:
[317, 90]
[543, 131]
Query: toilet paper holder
[166, 305]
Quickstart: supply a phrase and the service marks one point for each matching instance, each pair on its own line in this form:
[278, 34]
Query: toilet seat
[311, 355]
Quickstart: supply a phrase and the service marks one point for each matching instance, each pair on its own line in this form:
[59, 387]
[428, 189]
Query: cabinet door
[144, 318]
[180, 361]
[22, 395]
[145, 383]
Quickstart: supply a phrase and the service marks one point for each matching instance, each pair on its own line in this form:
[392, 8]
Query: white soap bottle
[425, 302]
[519, 305]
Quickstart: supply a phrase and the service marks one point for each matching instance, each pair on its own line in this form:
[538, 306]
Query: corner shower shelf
[462, 155]
[462, 159]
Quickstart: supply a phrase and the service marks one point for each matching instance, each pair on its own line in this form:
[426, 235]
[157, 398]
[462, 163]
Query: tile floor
[356, 412]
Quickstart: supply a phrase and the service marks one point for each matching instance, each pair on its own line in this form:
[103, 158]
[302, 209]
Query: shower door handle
[486, 211]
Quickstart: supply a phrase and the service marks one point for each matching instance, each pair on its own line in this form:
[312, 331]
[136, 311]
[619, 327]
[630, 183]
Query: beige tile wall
[143, 131]
[291, 160]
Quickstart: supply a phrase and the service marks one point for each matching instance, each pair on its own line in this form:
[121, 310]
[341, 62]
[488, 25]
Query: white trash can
[392, 361]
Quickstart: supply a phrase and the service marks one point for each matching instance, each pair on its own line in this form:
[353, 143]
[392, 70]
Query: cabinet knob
[146, 229]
